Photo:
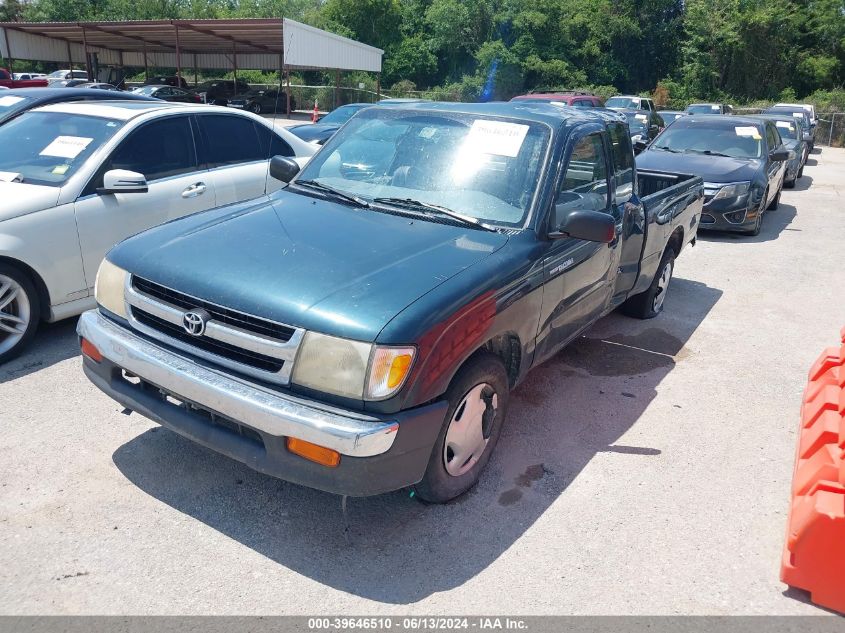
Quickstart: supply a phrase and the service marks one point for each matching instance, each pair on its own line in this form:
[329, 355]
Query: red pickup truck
[7, 81]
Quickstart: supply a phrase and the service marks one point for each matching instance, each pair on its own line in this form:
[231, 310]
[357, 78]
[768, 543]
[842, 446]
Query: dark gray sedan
[791, 133]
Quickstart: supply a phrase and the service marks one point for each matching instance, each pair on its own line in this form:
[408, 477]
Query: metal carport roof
[206, 44]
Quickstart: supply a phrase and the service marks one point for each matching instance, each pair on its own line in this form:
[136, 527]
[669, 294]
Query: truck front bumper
[251, 423]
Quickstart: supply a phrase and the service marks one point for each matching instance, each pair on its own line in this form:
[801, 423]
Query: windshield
[794, 112]
[47, 148]
[146, 90]
[622, 102]
[637, 122]
[341, 115]
[787, 129]
[482, 168]
[716, 136]
[11, 104]
[704, 108]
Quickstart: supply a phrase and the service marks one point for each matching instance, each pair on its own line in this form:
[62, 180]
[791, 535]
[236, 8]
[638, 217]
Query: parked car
[66, 75]
[326, 126]
[71, 83]
[167, 80]
[626, 102]
[742, 161]
[670, 116]
[709, 108]
[6, 81]
[793, 139]
[97, 86]
[219, 91]
[169, 93]
[15, 102]
[368, 369]
[28, 76]
[808, 128]
[809, 107]
[570, 98]
[75, 178]
[644, 125]
[263, 100]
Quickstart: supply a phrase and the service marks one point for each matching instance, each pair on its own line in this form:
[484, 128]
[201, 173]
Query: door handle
[194, 190]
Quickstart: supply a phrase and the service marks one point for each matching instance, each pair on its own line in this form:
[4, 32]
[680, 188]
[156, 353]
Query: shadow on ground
[803, 183]
[774, 223]
[53, 343]
[396, 550]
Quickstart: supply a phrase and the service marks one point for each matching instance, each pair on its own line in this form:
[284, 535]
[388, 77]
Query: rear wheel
[478, 402]
[255, 108]
[790, 184]
[19, 310]
[649, 304]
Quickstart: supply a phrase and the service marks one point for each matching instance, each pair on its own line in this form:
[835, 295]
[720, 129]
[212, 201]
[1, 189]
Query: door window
[271, 143]
[160, 149]
[230, 140]
[623, 162]
[584, 185]
[772, 137]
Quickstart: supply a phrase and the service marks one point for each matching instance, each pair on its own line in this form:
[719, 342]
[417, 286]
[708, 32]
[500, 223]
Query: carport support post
[336, 86]
[196, 72]
[178, 59]
[87, 58]
[287, 90]
[235, 68]
[69, 57]
[146, 66]
[378, 86]
[9, 51]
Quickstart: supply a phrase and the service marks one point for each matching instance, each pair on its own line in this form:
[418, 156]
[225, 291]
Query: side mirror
[639, 146]
[581, 224]
[779, 154]
[123, 181]
[792, 155]
[283, 168]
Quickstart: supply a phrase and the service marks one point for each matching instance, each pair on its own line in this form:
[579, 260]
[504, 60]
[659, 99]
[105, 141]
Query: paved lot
[626, 481]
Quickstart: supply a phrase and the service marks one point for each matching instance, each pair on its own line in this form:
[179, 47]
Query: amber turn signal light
[312, 452]
[90, 351]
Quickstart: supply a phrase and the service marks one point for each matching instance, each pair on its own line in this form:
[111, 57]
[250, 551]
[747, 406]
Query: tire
[649, 304]
[800, 172]
[759, 223]
[790, 184]
[20, 308]
[483, 381]
[255, 108]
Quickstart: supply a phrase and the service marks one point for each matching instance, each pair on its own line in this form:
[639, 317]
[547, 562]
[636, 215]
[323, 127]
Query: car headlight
[732, 191]
[108, 288]
[350, 368]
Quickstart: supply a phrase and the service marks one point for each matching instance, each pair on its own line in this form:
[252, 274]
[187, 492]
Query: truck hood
[710, 168]
[306, 262]
[20, 198]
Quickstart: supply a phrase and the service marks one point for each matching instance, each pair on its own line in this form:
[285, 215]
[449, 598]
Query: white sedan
[76, 178]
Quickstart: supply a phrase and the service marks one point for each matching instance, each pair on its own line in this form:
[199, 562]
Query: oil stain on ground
[524, 480]
[624, 355]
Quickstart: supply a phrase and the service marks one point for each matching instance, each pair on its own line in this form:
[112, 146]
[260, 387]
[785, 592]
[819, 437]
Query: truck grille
[242, 342]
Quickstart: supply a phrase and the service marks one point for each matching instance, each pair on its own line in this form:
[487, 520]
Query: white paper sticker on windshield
[800, 115]
[495, 137]
[7, 102]
[641, 117]
[783, 124]
[66, 146]
[747, 131]
[714, 108]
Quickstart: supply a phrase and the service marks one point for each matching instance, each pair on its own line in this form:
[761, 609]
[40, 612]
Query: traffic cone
[316, 114]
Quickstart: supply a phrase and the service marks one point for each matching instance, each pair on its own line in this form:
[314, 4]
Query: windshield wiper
[313, 184]
[666, 148]
[410, 203]
[708, 152]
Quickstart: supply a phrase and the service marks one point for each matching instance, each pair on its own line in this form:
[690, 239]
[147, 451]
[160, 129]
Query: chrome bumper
[347, 432]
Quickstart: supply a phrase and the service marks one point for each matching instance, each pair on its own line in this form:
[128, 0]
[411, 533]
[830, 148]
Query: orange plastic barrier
[814, 552]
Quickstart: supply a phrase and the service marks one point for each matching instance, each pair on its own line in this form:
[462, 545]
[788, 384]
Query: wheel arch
[37, 281]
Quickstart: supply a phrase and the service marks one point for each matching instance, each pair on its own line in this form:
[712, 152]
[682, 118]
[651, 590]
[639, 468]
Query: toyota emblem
[195, 321]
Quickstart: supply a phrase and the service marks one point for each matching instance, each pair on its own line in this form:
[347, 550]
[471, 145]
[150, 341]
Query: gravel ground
[645, 470]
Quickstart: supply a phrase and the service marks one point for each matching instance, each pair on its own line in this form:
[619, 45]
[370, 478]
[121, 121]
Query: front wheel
[255, 108]
[649, 304]
[478, 403]
[773, 205]
[19, 309]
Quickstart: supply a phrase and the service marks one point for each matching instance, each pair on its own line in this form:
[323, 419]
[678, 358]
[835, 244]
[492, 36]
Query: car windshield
[622, 102]
[798, 113]
[637, 121]
[787, 129]
[716, 136]
[704, 108]
[147, 91]
[341, 115]
[482, 168]
[10, 104]
[668, 117]
[47, 148]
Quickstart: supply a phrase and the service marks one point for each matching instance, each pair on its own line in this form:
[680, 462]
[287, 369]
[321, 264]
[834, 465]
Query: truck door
[628, 211]
[577, 272]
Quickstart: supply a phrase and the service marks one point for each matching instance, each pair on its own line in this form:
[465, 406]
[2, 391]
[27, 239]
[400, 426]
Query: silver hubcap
[14, 313]
[469, 430]
[662, 287]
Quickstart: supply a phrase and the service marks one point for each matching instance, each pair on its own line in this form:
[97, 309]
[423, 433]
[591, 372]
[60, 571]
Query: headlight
[733, 191]
[350, 368]
[108, 288]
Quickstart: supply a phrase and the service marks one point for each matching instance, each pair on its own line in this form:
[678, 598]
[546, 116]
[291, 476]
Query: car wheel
[800, 171]
[478, 403]
[758, 223]
[648, 304]
[19, 310]
[790, 184]
[773, 205]
[255, 108]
